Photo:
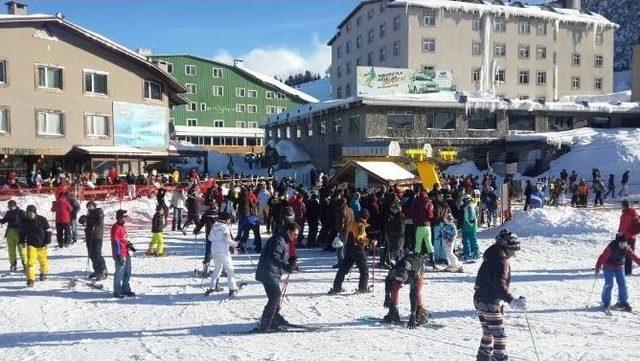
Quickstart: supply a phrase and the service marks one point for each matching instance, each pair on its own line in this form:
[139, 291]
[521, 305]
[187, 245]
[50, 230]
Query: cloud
[283, 61]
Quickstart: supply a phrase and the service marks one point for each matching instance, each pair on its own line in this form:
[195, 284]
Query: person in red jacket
[63, 209]
[299, 211]
[612, 259]
[422, 216]
[629, 227]
[120, 247]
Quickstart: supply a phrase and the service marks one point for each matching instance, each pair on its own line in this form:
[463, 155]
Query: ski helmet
[508, 240]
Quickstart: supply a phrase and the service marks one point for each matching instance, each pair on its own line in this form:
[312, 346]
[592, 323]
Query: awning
[388, 173]
[117, 151]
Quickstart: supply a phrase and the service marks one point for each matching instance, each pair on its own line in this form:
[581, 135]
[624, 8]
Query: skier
[177, 203]
[35, 235]
[13, 218]
[220, 236]
[470, 249]
[273, 262]
[62, 209]
[94, 222]
[613, 260]
[192, 208]
[355, 253]
[629, 227]
[207, 220]
[598, 188]
[161, 202]
[249, 223]
[156, 246]
[491, 289]
[395, 231]
[120, 247]
[408, 271]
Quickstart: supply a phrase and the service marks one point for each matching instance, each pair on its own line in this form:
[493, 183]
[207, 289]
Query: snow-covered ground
[170, 319]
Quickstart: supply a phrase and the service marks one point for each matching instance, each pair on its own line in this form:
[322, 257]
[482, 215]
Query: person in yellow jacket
[13, 218]
[35, 234]
[355, 253]
[175, 176]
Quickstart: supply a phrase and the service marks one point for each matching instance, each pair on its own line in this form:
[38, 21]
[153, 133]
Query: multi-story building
[514, 50]
[227, 103]
[74, 99]
[635, 74]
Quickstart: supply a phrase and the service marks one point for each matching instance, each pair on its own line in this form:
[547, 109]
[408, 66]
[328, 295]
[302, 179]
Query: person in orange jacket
[583, 193]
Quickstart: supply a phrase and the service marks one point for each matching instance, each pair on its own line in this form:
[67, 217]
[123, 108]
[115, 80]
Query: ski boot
[232, 293]
[212, 290]
[335, 291]
[43, 277]
[393, 316]
[483, 355]
[129, 294]
[30, 283]
[100, 277]
[364, 290]
[13, 268]
[92, 276]
[623, 306]
[422, 315]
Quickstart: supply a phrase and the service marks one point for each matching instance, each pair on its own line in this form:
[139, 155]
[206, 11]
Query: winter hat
[120, 214]
[508, 240]
[364, 214]
[91, 204]
[12, 203]
[31, 208]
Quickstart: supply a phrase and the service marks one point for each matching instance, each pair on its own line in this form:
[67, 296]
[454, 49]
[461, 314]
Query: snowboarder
[13, 218]
[629, 227]
[355, 253]
[491, 289]
[613, 260]
[94, 222]
[120, 247]
[35, 235]
[273, 262]
[470, 248]
[220, 236]
[409, 271]
[156, 246]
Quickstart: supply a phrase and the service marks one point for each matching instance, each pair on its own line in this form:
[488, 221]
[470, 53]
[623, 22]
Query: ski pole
[595, 279]
[533, 340]
[283, 292]
[373, 284]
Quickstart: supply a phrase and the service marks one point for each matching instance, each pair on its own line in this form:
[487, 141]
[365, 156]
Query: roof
[292, 152]
[203, 131]
[262, 78]
[350, 15]
[117, 150]
[386, 172]
[109, 44]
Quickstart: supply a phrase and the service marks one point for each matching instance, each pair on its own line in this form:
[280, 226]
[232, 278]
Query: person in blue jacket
[249, 223]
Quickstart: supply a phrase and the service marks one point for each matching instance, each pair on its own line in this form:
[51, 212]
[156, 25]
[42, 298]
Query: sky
[276, 37]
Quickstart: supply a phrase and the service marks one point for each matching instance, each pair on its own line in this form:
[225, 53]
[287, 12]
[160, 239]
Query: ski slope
[171, 320]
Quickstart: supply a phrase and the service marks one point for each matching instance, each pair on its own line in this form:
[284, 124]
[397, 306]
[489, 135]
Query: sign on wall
[387, 81]
[140, 125]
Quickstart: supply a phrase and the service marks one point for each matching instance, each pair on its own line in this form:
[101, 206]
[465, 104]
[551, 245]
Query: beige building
[517, 51]
[635, 74]
[63, 87]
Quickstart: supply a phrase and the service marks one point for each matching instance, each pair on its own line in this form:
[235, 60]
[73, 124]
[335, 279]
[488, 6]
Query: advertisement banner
[388, 81]
[140, 125]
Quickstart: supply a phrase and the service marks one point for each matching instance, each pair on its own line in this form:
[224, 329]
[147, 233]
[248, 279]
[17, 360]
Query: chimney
[238, 63]
[573, 4]
[16, 8]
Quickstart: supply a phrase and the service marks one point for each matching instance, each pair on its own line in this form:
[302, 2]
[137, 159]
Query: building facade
[227, 103]
[517, 51]
[635, 74]
[59, 84]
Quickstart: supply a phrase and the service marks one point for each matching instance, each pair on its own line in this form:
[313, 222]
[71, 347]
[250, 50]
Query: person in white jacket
[177, 203]
[221, 240]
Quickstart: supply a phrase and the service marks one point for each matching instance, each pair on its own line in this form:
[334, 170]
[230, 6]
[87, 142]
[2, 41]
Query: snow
[622, 80]
[387, 170]
[170, 320]
[622, 96]
[319, 89]
[292, 152]
[463, 169]
[276, 83]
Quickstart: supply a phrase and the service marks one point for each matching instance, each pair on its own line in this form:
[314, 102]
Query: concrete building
[64, 87]
[517, 51]
[635, 74]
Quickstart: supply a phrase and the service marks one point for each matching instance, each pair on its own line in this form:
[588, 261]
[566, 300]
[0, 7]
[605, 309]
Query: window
[337, 126]
[475, 75]
[370, 36]
[192, 106]
[359, 61]
[541, 29]
[252, 108]
[218, 123]
[4, 121]
[524, 28]
[575, 82]
[575, 59]
[541, 52]
[241, 124]
[598, 61]
[270, 95]
[348, 47]
[599, 122]
[522, 122]
[241, 108]
[190, 70]
[203, 107]
[428, 67]
[382, 5]
[500, 25]
[339, 72]
[500, 49]
[429, 18]
[280, 109]
[500, 75]
[358, 20]
[191, 88]
[354, 124]
[338, 52]
[253, 124]
[298, 132]
[396, 23]
[441, 119]
[95, 82]
[597, 83]
[576, 35]
[50, 123]
[370, 15]
[192, 122]
[541, 78]
[383, 30]
[241, 92]
[396, 48]
[339, 92]
[252, 93]
[170, 68]
[558, 124]
[152, 90]
[476, 48]
[524, 51]
[523, 77]
[359, 42]
[428, 45]
[271, 109]
[523, 97]
[482, 120]
[599, 37]
[348, 90]
[309, 130]
[476, 24]
[218, 91]
[370, 58]
[3, 71]
[348, 68]
[288, 132]
[399, 123]
[383, 54]
[322, 127]
[49, 77]
[217, 72]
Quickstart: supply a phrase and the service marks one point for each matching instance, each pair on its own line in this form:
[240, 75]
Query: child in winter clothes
[469, 228]
[447, 238]
[613, 261]
[409, 270]
[35, 235]
[156, 246]
[220, 237]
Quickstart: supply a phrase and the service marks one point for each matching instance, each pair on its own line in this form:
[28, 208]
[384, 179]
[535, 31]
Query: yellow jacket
[358, 230]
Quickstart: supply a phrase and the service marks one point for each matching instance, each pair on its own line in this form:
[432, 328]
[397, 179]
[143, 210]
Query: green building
[228, 103]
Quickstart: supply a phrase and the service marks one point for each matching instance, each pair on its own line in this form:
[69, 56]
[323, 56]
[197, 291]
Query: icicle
[486, 38]
[555, 82]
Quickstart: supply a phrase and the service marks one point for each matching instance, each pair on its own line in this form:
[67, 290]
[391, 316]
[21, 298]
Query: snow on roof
[118, 150]
[292, 152]
[543, 12]
[319, 89]
[387, 170]
[623, 96]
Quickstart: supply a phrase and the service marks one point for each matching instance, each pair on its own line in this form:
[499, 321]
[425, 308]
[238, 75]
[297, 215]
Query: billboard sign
[387, 81]
[140, 125]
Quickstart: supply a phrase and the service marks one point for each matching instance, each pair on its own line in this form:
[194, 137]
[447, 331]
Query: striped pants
[494, 338]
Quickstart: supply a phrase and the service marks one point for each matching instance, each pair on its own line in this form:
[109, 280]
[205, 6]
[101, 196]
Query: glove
[131, 247]
[412, 322]
[519, 303]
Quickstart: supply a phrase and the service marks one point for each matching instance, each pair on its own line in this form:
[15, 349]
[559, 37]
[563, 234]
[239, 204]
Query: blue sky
[294, 31]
